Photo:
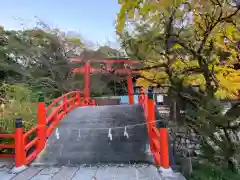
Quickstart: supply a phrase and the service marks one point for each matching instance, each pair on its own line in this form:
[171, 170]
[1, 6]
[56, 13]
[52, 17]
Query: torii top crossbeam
[87, 70]
[107, 62]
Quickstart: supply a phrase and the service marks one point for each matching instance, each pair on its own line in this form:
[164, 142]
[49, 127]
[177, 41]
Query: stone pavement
[101, 172]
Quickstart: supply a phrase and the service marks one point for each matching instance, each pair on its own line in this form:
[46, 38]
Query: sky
[93, 19]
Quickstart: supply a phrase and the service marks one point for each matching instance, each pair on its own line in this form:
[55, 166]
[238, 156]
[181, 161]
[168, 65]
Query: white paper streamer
[110, 134]
[57, 134]
[125, 132]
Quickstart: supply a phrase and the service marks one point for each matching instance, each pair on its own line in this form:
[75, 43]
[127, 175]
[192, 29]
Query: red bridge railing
[158, 137]
[10, 145]
[27, 145]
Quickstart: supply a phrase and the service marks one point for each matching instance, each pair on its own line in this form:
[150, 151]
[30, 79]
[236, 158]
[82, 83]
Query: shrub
[210, 172]
[19, 101]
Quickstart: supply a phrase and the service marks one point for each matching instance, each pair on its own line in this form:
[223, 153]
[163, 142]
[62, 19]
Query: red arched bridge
[74, 130]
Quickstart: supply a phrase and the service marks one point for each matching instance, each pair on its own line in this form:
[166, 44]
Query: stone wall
[182, 139]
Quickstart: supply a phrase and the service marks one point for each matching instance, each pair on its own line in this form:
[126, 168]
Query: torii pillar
[87, 86]
[130, 89]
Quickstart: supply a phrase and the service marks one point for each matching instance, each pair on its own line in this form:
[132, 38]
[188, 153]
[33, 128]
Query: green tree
[10, 65]
[183, 54]
[193, 49]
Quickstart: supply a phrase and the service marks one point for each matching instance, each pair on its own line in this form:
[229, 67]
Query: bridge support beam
[130, 89]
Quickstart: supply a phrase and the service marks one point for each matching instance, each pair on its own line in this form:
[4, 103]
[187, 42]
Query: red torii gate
[87, 70]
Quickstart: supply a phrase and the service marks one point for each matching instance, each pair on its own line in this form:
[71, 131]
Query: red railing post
[86, 101]
[42, 124]
[150, 119]
[164, 148]
[77, 103]
[65, 104]
[93, 102]
[19, 144]
[143, 100]
[153, 138]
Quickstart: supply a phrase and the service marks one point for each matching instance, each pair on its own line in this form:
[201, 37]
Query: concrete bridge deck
[82, 137]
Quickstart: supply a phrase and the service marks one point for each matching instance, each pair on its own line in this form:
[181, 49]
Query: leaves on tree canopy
[182, 39]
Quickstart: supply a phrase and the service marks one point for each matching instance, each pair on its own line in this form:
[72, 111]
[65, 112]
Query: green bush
[19, 102]
[210, 172]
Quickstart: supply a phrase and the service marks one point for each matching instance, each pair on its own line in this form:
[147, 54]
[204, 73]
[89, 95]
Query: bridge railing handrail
[10, 145]
[63, 105]
[158, 137]
[57, 100]
[29, 144]
[26, 148]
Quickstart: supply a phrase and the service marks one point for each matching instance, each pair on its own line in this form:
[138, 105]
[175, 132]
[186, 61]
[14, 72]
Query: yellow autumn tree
[192, 40]
[190, 43]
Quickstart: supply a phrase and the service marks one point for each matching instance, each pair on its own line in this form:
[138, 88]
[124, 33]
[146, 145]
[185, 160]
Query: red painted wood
[87, 81]
[130, 90]
[87, 69]
[19, 147]
[42, 126]
[107, 61]
[164, 148]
